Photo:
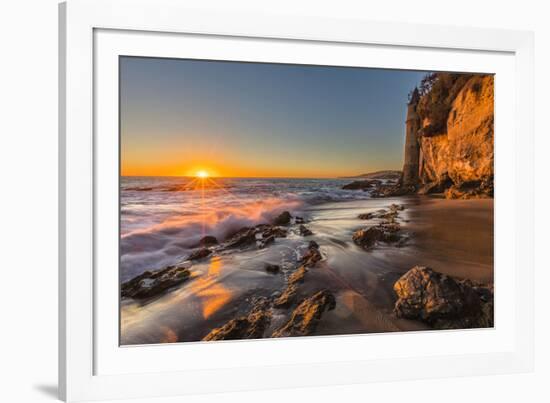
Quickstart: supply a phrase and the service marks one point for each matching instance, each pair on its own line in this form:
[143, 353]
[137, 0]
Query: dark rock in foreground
[306, 316]
[265, 242]
[312, 255]
[304, 231]
[243, 237]
[283, 218]
[267, 230]
[397, 207]
[207, 241]
[443, 302]
[288, 296]
[152, 283]
[251, 326]
[272, 268]
[368, 237]
[200, 254]
[260, 235]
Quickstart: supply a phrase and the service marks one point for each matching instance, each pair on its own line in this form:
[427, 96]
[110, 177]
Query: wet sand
[451, 236]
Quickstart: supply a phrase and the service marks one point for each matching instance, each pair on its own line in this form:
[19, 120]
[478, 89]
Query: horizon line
[256, 177]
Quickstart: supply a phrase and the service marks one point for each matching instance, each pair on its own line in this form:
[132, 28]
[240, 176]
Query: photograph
[269, 200]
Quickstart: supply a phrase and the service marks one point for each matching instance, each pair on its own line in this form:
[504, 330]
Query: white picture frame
[92, 366]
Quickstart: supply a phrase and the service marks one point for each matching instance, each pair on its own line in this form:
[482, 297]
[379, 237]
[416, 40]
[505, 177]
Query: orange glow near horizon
[229, 165]
[235, 172]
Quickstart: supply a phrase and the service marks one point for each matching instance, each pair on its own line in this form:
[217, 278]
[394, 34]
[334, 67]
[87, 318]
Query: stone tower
[411, 159]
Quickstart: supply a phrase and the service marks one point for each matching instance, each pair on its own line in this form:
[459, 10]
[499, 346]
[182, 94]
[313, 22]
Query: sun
[202, 174]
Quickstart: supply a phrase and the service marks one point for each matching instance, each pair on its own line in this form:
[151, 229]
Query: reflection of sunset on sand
[212, 294]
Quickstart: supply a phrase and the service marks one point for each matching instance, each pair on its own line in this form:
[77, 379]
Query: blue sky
[252, 119]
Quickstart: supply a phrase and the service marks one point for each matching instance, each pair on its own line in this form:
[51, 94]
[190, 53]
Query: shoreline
[441, 234]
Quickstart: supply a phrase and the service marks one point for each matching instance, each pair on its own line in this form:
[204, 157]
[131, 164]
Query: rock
[283, 218]
[152, 283]
[441, 301]
[251, 326]
[365, 216]
[207, 241]
[312, 255]
[471, 190]
[297, 276]
[299, 220]
[272, 268]
[270, 230]
[260, 235]
[304, 231]
[362, 185]
[389, 215]
[199, 254]
[438, 186]
[389, 228]
[306, 316]
[264, 242]
[366, 238]
[288, 296]
[397, 207]
[243, 237]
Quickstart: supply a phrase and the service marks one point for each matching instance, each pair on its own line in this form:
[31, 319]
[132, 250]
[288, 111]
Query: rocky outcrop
[456, 153]
[387, 231]
[368, 237]
[312, 255]
[443, 302]
[465, 152]
[309, 259]
[261, 235]
[250, 326]
[152, 283]
[289, 294]
[306, 316]
[243, 237]
[200, 254]
[304, 231]
[272, 268]
[207, 241]
[283, 218]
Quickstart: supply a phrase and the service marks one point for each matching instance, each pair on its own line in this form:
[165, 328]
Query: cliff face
[459, 160]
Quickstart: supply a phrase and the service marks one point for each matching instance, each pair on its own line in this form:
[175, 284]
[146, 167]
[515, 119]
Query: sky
[179, 117]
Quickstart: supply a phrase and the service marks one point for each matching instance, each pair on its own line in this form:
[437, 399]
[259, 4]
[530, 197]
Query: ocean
[162, 218]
